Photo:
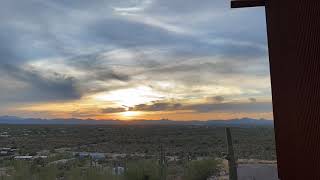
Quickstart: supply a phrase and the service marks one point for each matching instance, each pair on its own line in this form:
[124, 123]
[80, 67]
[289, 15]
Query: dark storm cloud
[40, 87]
[93, 65]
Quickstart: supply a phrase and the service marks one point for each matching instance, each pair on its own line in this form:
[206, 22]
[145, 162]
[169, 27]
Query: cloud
[218, 98]
[157, 22]
[113, 110]
[182, 7]
[205, 107]
[106, 75]
[232, 107]
[140, 34]
[181, 48]
[138, 7]
[40, 87]
[253, 100]
[153, 22]
[96, 68]
[157, 107]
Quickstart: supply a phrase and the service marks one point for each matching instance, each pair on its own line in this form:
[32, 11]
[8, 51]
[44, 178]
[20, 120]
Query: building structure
[293, 29]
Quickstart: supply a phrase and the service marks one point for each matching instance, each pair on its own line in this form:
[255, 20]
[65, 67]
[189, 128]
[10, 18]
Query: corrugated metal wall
[294, 51]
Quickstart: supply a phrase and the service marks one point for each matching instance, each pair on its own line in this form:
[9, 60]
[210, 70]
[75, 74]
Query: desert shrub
[201, 169]
[142, 169]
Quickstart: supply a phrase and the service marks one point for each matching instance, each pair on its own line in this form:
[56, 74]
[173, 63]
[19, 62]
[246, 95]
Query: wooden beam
[247, 3]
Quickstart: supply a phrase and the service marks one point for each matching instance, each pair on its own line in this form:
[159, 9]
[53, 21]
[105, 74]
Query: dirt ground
[250, 169]
[257, 172]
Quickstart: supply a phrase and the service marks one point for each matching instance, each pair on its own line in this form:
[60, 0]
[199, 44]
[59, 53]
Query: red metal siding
[294, 51]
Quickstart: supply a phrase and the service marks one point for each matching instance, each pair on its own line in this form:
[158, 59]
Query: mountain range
[72, 121]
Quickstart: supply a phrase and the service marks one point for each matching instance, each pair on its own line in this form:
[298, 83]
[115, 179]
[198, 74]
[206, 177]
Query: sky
[133, 59]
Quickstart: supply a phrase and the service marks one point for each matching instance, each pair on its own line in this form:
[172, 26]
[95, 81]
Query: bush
[27, 171]
[142, 169]
[90, 173]
[201, 169]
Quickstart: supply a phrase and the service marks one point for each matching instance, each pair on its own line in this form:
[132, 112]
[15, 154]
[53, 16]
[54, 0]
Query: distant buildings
[29, 157]
[23, 158]
[13, 153]
[5, 151]
[61, 161]
[4, 134]
[93, 156]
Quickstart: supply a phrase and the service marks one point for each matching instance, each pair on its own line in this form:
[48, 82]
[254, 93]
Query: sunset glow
[129, 97]
[131, 60]
[129, 114]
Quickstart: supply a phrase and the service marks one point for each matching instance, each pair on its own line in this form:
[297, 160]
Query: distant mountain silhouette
[231, 122]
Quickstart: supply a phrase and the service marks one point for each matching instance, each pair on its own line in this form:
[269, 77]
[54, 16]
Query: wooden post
[233, 175]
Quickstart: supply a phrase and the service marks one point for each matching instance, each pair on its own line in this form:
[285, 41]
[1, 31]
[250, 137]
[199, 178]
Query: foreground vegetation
[125, 152]
[180, 141]
[139, 170]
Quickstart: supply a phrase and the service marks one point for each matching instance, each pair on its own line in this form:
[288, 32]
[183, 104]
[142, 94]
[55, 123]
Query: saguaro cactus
[162, 162]
[230, 157]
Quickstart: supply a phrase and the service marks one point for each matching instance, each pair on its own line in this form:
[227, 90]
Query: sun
[129, 97]
[129, 114]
